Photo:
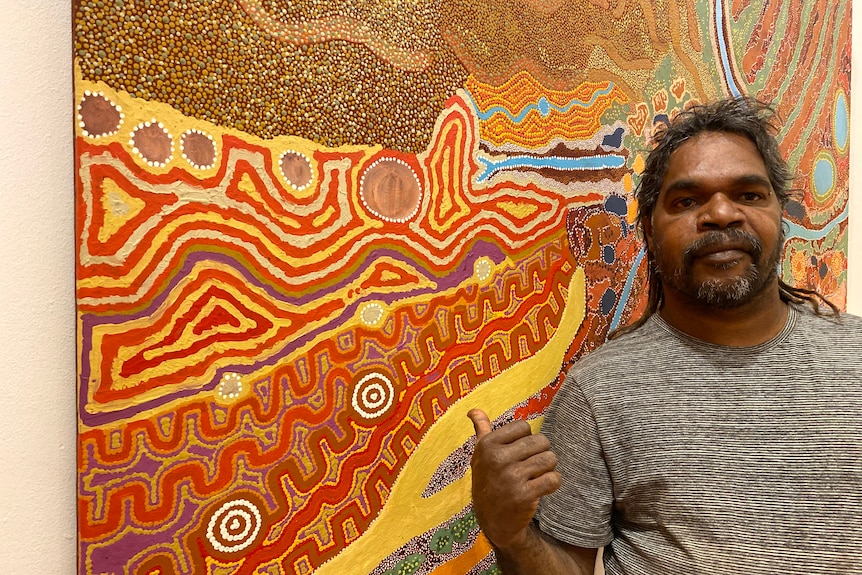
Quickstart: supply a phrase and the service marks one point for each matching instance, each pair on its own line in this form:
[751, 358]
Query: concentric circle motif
[98, 116]
[372, 314]
[296, 169]
[482, 268]
[234, 526]
[823, 176]
[230, 387]
[153, 143]
[198, 148]
[390, 190]
[373, 395]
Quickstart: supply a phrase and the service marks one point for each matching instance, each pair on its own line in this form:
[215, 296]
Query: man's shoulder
[851, 320]
[625, 350]
[834, 325]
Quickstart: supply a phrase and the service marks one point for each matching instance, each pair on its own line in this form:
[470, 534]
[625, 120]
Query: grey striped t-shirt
[686, 457]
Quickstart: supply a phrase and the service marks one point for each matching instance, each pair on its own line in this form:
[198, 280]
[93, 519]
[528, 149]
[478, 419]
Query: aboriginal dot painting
[312, 235]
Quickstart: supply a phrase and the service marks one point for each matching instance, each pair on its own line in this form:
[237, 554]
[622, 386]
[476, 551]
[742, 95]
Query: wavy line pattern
[229, 303]
[278, 339]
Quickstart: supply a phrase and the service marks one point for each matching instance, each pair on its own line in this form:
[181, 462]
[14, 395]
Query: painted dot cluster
[234, 526]
[296, 169]
[461, 531]
[482, 268]
[199, 149]
[230, 387]
[425, 553]
[373, 395]
[153, 143]
[407, 566]
[210, 60]
[555, 40]
[371, 314]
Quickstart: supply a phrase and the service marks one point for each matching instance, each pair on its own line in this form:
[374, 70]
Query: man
[722, 432]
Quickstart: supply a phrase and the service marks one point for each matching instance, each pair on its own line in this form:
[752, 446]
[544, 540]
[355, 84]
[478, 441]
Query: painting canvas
[312, 235]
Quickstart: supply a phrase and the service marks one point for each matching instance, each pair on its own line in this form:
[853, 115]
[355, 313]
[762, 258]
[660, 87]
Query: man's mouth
[723, 247]
[723, 257]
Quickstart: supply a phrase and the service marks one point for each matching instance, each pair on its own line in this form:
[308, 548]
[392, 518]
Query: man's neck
[750, 324]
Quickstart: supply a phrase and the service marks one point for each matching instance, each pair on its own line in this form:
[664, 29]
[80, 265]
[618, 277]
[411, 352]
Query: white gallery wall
[37, 328]
[37, 322]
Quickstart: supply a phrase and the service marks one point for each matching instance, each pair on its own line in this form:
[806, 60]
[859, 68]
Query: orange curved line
[335, 28]
[467, 560]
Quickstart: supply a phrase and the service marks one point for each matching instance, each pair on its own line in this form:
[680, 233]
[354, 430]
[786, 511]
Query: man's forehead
[710, 136]
[716, 151]
[696, 183]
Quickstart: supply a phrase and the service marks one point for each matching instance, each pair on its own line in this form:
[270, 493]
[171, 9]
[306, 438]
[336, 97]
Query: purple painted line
[460, 273]
[111, 558]
[146, 465]
[481, 248]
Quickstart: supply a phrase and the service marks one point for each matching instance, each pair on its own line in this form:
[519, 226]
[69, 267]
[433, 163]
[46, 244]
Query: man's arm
[512, 469]
[541, 553]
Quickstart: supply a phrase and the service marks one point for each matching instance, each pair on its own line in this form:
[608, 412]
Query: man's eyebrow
[693, 184]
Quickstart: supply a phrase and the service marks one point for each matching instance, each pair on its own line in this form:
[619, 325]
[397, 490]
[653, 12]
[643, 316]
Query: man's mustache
[719, 240]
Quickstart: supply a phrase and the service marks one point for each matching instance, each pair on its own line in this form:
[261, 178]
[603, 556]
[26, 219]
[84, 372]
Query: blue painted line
[794, 230]
[598, 162]
[722, 49]
[627, 289]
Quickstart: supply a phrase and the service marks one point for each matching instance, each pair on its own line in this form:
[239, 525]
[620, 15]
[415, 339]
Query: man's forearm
[542, 554]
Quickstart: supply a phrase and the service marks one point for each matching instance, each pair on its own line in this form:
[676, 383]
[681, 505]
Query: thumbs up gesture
[512, 469]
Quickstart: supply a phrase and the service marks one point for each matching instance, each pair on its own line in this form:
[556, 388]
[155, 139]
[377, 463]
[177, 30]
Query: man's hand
[512, 469]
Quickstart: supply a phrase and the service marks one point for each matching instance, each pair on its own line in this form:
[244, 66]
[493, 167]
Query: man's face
[716, 228]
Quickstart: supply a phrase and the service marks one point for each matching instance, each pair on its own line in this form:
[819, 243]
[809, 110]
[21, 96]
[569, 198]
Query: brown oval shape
[198, 148]
[296, 169]
[153, 143]
[390, 190]
[98, 116]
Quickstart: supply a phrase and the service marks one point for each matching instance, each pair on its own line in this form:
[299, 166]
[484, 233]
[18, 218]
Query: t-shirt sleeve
[579, 512]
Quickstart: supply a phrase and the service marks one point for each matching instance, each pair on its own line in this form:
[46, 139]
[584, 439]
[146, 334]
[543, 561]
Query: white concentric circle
[373, 395]
[234, 526]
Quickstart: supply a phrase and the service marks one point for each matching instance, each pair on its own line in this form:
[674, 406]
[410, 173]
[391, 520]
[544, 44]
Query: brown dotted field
[210, 60]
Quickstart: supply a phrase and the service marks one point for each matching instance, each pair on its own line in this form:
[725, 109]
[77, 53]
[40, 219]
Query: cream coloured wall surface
[37, 329]
[37, 322]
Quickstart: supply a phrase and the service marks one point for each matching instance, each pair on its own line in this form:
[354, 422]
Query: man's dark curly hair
[743, 116]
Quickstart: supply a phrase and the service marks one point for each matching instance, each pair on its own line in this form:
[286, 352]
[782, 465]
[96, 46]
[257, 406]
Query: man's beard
[729, 292]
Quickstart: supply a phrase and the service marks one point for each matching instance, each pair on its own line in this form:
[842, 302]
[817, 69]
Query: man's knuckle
[518, 428]
[543, 442]
[508, 474]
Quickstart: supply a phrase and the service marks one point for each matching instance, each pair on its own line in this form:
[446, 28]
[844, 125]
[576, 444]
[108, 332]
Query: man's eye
[752, 196]
[683, 202]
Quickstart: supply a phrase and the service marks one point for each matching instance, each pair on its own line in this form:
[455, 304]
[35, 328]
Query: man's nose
[719, 212]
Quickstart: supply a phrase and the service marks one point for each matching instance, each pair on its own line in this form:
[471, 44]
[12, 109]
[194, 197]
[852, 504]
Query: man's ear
[646, 225]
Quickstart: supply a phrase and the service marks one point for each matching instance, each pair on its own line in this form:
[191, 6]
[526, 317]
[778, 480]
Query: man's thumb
[481, 423]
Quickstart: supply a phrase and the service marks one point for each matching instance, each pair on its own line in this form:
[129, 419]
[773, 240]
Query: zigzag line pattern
[270, 331]
[243, 336]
